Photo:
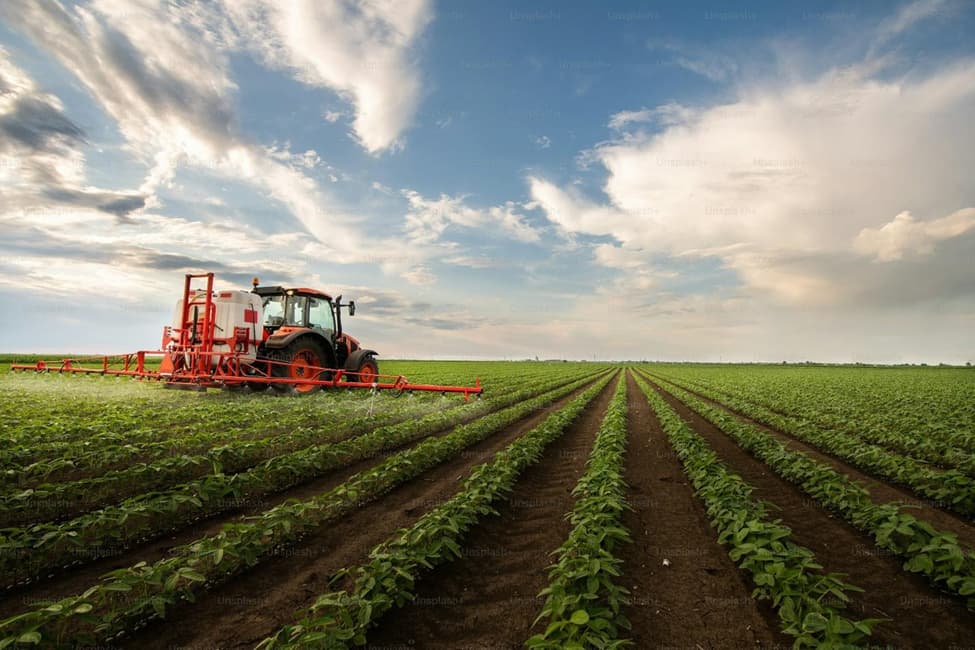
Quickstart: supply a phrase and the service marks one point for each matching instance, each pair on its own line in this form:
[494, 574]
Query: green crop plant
[130, 596]
[388, 580]
[783, 572]
[924, 549]
[583, 602]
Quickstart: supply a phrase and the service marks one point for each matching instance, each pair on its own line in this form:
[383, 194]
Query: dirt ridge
[882, 490]
[889, 592]
[701, 599]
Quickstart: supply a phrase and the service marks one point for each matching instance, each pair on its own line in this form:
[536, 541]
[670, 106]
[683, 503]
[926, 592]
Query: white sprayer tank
[234, 309]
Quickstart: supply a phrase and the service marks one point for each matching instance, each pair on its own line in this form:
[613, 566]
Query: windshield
[273, 311]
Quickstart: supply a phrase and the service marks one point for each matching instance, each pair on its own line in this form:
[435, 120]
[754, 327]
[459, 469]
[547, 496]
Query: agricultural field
[582, 505]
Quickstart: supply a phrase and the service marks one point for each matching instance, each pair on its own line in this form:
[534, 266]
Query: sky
[586, 180]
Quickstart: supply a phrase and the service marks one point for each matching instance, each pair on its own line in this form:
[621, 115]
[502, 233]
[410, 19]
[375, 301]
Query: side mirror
[352, 308]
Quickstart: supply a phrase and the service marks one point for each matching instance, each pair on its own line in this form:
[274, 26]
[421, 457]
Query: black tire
[300, 355]
[368, 370]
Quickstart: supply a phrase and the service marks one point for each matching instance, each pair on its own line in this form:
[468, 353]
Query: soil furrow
[889, 592]
[489, 597]
[242, 612]
[76, 579]
[880, 489]
[700, 599]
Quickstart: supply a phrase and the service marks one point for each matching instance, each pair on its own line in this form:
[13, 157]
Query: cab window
[295, 311]
[320, 314]
[273, 311]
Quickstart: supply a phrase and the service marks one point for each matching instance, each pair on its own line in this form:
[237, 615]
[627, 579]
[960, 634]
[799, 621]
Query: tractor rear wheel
[300, 360]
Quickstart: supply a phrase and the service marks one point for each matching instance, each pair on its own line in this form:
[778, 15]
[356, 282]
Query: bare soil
[701, 600]
[252, 606]
[919, 617]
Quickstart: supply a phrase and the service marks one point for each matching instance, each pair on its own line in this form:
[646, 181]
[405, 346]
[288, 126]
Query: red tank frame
[192, 363]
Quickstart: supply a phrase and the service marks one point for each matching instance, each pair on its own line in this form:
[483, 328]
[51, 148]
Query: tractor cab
[305, 308]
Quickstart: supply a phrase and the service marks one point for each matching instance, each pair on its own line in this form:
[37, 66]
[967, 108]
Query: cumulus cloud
[810, 168]
[905, 235]
[364, 50]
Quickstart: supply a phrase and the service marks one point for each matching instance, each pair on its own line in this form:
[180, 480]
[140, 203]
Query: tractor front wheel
[368, 371]
[302, 360]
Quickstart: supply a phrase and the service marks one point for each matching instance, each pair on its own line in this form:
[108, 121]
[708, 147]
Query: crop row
[128, 597]
[37, 443]
[55, 501]
[48, 416]
[583, 602]
[783, 572]
[388, 579]
[925, 550]
[789, 417]
[93, 458]
[951, 487]
[28, 552]
[931, 406]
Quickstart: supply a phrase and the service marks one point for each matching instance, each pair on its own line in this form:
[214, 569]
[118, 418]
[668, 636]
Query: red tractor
[302, 329]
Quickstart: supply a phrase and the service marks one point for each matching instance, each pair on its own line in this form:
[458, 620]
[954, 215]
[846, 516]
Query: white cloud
[665, 115]
[799, 168]
[364, 50]
[906, 17]
[333, 116]
[707, 62]
[419, 275]
[428, 219]
[543, 142]
[161, 72]
[42, 161]
[473, 262]
[619, 257]
[623, 118]
[574, 213]
[905, 235]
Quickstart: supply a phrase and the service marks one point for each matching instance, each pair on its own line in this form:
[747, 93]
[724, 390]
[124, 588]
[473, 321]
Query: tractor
[302, 329]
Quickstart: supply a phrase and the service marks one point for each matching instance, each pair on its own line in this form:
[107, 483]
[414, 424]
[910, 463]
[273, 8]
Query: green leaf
[580, 617]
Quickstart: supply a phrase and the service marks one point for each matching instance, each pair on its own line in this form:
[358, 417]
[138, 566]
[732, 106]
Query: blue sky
[613, 180]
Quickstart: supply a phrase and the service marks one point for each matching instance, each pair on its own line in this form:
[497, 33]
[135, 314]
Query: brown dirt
[919, 616]
[252, 606]
[880, 490]
[73, 580]
[701, 600]
[489, 597]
